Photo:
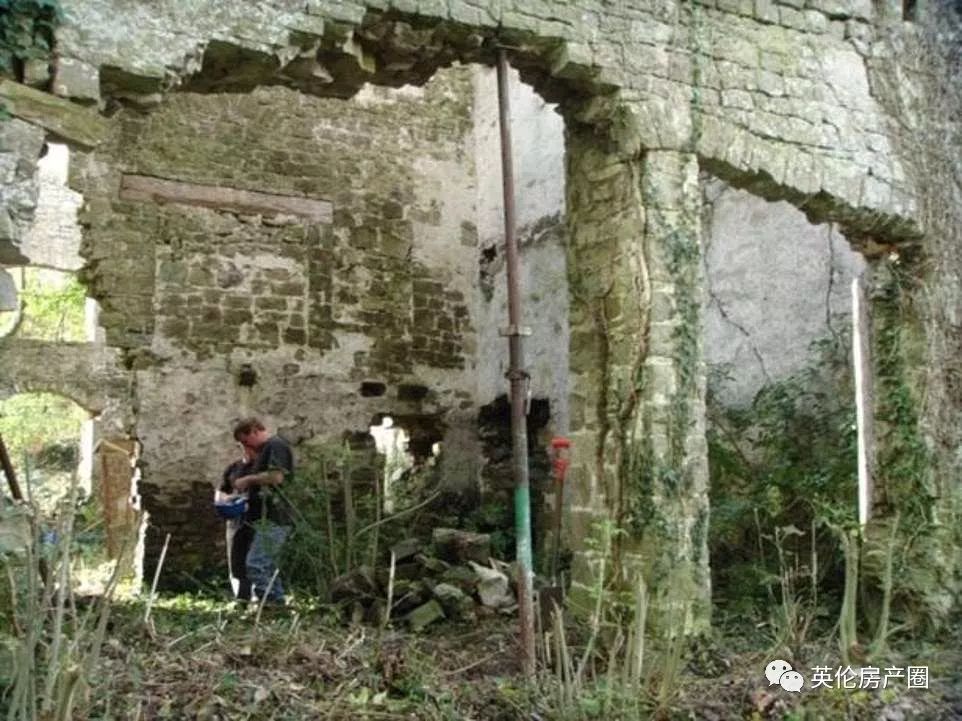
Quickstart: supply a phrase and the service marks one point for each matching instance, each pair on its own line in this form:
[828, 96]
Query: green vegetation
[26, 33]
[43, 428]
[53, 307]
[788, 461]
[337, 497]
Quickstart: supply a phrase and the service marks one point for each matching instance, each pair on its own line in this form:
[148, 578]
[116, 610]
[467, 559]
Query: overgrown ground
[205, 659]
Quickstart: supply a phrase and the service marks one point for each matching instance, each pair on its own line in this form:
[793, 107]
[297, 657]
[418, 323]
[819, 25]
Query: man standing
[267, 511]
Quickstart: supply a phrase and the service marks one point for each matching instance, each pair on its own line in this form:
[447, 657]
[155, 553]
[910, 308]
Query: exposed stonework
[381, 294]
[775, 96]
[914, 71]
[637, 373]
[20, 146]
[53, 239]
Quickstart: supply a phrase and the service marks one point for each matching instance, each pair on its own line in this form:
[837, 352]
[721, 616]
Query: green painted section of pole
[519, 384]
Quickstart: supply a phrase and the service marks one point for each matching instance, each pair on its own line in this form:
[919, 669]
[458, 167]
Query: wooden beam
[160, 190]
[72, 123]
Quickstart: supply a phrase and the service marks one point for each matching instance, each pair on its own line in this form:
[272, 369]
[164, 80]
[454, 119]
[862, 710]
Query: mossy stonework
[190, 294]
[782, 98]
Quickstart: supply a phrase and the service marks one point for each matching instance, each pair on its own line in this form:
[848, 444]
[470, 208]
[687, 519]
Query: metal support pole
[17, 494]
[9, 472]
[519, 384]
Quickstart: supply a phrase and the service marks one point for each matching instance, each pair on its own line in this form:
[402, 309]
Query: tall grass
[55, 647]
[625, 669]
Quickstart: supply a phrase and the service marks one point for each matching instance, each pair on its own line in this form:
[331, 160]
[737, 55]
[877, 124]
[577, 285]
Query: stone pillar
[639, 455]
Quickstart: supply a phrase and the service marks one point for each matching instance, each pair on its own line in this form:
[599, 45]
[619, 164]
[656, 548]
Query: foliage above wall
[26, 33]
[53, 306]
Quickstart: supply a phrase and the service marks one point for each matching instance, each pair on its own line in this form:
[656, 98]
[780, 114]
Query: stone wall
[53, 238]
[20, 147]
[773, 97]
[775, 284]
[382, 294]
[774, 94]
[537, 132]
[917, 309]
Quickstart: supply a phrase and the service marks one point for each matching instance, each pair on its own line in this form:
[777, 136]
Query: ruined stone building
[293, 209]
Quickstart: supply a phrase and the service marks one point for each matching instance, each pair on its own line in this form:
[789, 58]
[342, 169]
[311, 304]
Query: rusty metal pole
[519, 384]
[17, 494]
[9, 472]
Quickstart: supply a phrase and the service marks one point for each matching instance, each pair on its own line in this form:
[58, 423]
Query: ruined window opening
[781, 400]
[910, 10]
[52, 306]
[373, 389]
[51, 303]
[50, 439]
[392, 442]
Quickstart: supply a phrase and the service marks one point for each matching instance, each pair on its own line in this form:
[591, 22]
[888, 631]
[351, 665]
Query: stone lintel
[159, 190]
[62, 118]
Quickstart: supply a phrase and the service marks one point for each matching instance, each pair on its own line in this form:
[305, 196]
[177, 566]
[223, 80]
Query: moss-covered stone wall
[382, 294]
[781, 98]
[917, 320]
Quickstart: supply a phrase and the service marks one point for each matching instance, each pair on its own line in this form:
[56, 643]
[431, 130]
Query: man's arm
[264, 478]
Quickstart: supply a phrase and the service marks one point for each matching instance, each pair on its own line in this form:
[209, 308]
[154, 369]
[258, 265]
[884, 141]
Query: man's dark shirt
[265, 501]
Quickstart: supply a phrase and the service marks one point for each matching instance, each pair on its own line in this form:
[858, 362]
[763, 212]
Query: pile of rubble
[453, 577]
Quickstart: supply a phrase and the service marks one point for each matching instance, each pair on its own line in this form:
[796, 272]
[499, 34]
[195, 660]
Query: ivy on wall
[26, 33]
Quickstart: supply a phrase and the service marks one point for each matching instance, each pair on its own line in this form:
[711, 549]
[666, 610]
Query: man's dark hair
[246, 426]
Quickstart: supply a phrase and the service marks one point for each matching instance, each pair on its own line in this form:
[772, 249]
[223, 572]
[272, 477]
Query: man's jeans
[262, 560]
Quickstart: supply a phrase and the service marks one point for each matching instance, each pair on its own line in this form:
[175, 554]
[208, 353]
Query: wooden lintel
[160, 190]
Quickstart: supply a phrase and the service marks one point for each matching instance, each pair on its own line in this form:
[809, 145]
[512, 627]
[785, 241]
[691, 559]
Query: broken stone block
[8, 167]
[492, 587]
[408, 548]
[76, 79]
[357, 613]
[10, 253]
[456, 604]
[62, 118]
[408, 595]
[359, 583]
[374, 613]
[431, 565]
[402, 572]
[460, 577]
[462, 546]
[425, 615]
[36, 73]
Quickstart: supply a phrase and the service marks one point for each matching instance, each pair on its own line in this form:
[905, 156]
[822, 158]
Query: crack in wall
[831, 282]
[708, 204]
